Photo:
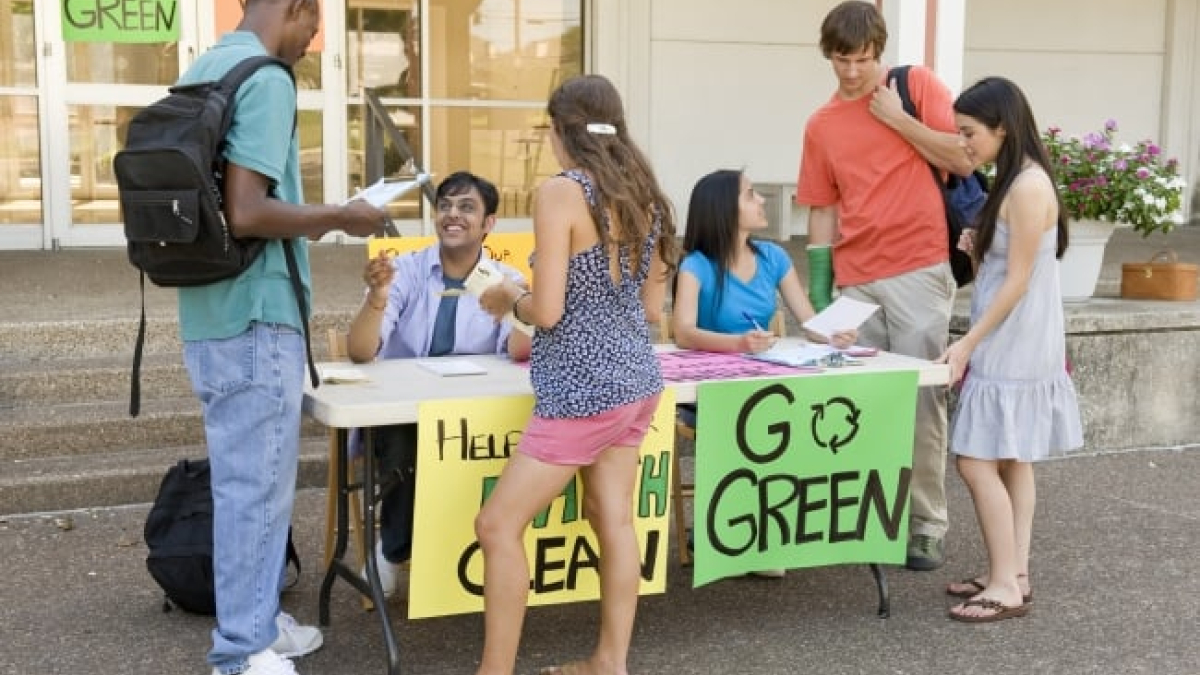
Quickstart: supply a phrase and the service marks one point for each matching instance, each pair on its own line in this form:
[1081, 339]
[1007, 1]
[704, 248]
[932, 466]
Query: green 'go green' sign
[120, 20]
[802, 471]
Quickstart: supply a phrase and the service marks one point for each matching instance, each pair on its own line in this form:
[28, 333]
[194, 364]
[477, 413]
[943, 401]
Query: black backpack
[169, 176]
[962, 197]
[179, 534]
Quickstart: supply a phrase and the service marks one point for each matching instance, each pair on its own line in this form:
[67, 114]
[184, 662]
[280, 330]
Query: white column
[906, 32]
[950, 43]
[620, 40]
[917, 37]
[1178, 131]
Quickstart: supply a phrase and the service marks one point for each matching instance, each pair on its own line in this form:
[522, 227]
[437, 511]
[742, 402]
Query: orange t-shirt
[890, 214]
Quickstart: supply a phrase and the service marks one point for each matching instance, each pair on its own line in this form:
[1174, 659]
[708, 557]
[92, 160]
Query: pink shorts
[578, 441]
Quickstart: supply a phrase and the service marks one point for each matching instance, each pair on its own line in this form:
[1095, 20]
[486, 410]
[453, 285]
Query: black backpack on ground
[179, 533]
[169, 176]
[962, 197]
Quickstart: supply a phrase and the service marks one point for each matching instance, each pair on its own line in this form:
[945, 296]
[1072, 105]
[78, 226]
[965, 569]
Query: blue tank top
[599, 355]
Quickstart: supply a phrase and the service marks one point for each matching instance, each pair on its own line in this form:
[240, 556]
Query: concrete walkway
[1116, 542]
[1116, 539]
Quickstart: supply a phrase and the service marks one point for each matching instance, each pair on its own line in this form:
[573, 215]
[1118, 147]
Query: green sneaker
[925, 553]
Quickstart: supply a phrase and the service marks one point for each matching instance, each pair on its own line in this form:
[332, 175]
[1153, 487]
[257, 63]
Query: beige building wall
[711, 84]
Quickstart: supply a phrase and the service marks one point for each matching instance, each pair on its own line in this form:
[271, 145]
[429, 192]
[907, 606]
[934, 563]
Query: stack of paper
[333, 375]
[448, 367]
[802, 356]
[484, 276]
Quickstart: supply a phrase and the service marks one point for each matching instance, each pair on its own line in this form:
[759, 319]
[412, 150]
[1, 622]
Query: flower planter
[1080, 266]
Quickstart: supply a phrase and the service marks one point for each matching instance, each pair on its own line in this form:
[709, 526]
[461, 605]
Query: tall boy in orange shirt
[876, 209]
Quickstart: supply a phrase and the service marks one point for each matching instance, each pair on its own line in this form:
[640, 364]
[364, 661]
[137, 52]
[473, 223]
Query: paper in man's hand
[383, 192]
[484, 276]
[844, 314]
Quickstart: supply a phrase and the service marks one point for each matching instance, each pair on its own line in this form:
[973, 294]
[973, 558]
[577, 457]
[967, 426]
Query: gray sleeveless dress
[1017, 400]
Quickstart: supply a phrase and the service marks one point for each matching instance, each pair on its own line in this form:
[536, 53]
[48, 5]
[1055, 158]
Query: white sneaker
[266, 662]
[295, 640]
[389, 572]
[770, 574]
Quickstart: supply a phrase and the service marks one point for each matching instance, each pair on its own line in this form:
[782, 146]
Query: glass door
[100, 69]
[21, 210]
[100, 75]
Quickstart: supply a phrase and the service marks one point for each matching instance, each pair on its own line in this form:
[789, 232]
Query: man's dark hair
[852, 26]
[460, 182]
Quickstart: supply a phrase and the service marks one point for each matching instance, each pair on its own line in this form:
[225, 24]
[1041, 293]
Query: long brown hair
[625, 184]
[998, 103]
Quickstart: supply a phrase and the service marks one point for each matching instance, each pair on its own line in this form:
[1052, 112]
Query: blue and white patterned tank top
[599, 355]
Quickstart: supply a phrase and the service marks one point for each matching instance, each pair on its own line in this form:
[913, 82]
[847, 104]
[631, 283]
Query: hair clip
[601, 128]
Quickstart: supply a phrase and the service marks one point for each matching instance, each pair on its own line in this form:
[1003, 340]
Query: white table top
[395, 387]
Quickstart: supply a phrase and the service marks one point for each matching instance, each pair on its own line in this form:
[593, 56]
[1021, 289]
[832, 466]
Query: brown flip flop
[999, 611]
[976, 588]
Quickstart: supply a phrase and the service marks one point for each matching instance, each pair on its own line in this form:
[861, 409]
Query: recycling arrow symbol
[834, 423]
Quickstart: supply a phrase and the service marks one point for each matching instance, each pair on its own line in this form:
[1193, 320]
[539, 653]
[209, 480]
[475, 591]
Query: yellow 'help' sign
[463, 447]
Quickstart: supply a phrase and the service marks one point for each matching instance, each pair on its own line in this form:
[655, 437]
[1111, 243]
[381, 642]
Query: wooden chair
[682, 491]
[338, 351]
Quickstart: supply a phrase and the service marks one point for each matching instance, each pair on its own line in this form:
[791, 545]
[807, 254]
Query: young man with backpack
[877, 211]
[243, 345]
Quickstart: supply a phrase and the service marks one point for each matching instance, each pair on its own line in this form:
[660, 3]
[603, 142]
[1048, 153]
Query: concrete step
[97, 428]
[59, 483]
[69, 441]
[46, 341]
[106, 378]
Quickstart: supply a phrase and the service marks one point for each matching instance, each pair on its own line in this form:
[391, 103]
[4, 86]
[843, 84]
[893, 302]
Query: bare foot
[997, 601]
[576, 668]
[984, 609]
[969, 588]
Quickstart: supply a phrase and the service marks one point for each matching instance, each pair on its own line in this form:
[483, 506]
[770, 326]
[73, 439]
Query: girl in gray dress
[1018, 404]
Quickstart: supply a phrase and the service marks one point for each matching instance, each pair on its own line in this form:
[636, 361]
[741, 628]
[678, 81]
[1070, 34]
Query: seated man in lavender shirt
[414, 307]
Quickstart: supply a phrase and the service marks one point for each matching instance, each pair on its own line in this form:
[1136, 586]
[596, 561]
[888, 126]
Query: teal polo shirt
[262, 139]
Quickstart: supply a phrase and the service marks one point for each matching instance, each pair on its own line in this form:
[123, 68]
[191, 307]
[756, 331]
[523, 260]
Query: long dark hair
[624, 180]
[997, 103]
[712, 222]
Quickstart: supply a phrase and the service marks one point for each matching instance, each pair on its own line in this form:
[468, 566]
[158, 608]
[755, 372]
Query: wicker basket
[1163, 277]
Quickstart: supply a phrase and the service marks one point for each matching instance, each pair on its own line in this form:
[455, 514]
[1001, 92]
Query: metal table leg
[337, 566]
[885, 605]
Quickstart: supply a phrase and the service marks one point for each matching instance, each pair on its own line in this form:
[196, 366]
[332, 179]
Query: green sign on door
[120, 20]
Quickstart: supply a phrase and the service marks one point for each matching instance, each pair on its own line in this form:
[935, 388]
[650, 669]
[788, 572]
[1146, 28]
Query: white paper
[484, 276]
[343, 376]
[448, 367]
[844, 314]
[384, 192]
[798, 356]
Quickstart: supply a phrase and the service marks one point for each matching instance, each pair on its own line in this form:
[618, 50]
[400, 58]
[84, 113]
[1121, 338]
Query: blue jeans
[250, 387]
[396, 448]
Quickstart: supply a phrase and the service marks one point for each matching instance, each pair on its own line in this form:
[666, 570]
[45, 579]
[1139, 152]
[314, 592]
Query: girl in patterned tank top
[605, 243]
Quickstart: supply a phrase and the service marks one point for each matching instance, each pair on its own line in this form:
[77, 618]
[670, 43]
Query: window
[20, 155]
[473, 98]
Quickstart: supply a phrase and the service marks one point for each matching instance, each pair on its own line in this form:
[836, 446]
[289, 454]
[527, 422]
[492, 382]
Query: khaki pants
[914, 320]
